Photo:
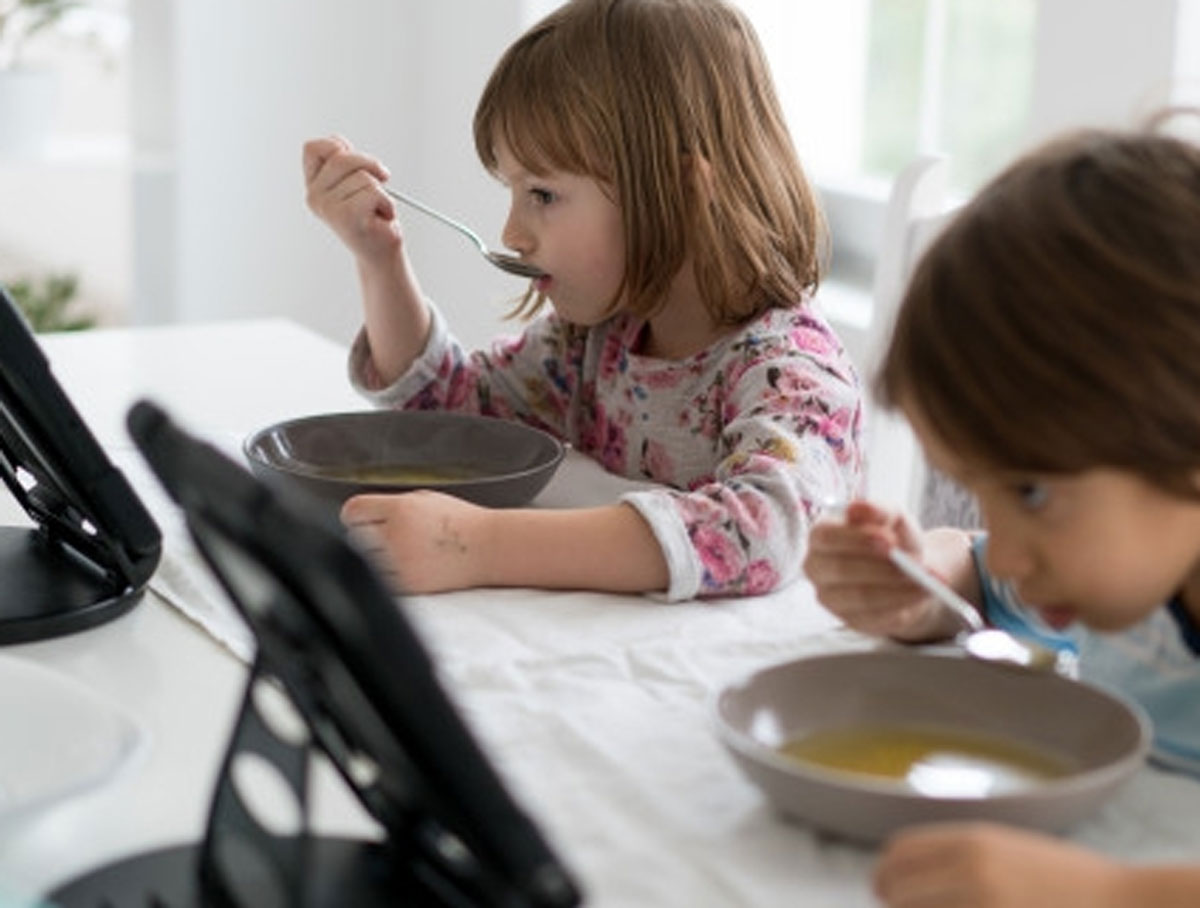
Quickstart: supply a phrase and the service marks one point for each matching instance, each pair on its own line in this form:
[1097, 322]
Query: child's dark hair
[670, 103]
[1054, 326]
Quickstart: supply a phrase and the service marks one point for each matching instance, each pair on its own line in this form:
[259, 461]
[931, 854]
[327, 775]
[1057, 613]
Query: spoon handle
[936, 588]
[434, 213]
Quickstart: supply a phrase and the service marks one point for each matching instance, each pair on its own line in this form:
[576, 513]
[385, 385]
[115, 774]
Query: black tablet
[336, 639]
[93, 545]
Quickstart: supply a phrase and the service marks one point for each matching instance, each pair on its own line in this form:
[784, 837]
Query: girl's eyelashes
[1033, 494]
[541, 196]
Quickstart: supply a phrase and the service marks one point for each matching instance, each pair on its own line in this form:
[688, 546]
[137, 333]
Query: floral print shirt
[747, 438]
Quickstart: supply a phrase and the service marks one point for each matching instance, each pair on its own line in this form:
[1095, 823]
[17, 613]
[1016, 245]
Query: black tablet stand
[341, 661]
[240, 862]
[47, 592]
[92, 546]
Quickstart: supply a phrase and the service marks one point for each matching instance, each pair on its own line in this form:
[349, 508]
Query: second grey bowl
[1104, 737]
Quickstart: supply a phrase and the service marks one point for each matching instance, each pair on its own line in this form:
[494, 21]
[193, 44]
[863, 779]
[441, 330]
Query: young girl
[654, 183]
[1046, 356]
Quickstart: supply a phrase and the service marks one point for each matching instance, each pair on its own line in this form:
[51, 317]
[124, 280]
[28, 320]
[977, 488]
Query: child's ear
[700, 173]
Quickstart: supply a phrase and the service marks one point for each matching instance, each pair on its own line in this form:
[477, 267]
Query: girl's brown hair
[1054, 326]
[671, 104]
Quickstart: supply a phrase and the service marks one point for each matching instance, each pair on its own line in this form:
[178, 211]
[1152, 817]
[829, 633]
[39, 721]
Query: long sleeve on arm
[786, 418]
[531, 377]
[747, 437]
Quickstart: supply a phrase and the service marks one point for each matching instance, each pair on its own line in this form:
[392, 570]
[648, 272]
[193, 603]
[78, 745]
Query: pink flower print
[508, 348]
[608, 441]
[696, 509]
[835, 425]
[747, 508]
[835, 429]
[458, 390]
[721, 557]
[657, 463]
[662, 379]
[813, 340]
[753, 516]
[612, 358]
[760, 578]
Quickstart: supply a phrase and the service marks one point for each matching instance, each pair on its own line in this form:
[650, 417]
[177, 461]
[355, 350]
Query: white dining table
[596, 709]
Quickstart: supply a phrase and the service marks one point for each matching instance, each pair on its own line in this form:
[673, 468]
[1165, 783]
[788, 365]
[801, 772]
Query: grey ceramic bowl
[492, 462]
[1102, 738]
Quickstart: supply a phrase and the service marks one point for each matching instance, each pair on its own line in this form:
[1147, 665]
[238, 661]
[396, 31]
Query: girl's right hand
[343, 189]
[847, 562]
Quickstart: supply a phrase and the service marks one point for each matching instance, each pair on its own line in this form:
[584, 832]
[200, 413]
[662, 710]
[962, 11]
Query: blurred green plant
[47, 303]
[22, 20]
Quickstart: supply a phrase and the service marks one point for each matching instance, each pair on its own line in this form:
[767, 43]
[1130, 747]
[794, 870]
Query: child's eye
[1033, 494]
[541, 196]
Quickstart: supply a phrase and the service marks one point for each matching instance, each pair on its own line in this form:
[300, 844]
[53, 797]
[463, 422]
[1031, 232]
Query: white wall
[222, 229]
[225, 91]
[1126, 61]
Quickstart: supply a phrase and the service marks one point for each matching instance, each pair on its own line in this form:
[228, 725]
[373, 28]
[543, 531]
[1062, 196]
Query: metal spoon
[502, 260]
[976, 638]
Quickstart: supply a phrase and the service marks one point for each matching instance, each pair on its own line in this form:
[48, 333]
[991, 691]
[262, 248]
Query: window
[71, 157]
[948, 76]
[870, 84]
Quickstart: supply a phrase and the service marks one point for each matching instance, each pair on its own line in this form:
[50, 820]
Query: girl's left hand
[423, 541]
[985, 864]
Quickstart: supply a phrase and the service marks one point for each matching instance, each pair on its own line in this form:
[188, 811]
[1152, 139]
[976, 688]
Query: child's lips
[1059, 617]
[542, 284]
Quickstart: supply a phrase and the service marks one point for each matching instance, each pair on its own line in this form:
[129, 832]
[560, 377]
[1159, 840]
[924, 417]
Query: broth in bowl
[402, 475]
[939, 762]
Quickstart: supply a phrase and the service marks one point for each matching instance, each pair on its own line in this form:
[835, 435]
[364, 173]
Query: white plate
[57, 739]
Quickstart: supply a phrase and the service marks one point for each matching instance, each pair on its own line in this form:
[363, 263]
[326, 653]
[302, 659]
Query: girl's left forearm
[608, 548]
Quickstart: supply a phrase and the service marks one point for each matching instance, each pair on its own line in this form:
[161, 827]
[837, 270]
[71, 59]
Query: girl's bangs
[542, 137]
[541, 108]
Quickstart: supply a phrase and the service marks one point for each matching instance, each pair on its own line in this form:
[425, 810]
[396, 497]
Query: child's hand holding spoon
[975, 638]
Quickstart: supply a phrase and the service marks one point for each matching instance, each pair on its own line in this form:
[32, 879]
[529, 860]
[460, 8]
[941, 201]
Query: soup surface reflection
[398, 474]
[932, 761]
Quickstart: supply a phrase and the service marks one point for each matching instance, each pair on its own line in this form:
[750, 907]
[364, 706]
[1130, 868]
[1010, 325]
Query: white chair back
[916, 211]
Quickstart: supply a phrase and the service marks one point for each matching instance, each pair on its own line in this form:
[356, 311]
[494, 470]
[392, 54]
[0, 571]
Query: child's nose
[514, 235]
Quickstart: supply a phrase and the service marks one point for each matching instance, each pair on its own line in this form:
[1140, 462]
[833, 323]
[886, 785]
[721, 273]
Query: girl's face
[568, 226]
[1103, 547]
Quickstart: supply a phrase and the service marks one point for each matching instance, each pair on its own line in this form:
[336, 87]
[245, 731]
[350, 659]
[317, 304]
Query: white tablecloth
[595, 708]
